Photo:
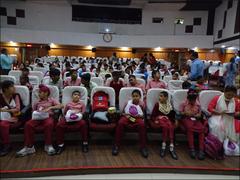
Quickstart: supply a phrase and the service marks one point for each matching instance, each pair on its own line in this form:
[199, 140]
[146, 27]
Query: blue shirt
[237, 59]
[6, 61]
[197, 69]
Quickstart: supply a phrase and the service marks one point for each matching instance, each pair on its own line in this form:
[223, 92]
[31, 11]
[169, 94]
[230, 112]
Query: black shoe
[115, 150]
[60, 149]
[192, 153]
[201, 155]
[5, 150]
[144, 152]
[162, 152]
[173, 154]
[85, 148]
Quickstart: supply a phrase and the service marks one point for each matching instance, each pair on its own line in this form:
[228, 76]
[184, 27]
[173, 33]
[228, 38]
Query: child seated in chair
[155, 82]
[9, 111]
[42, 117]
[24, 79]
[73, 121]
[175, 76]
[55, 79]
[74, 80]
[192, 120]
[163, 116]
[116, 83]
[201, 83]
[132, 117]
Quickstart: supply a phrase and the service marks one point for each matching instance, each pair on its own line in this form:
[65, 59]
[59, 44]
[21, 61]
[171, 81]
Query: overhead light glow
[195, 49]
[124, 48]
[157, 49]
[52, 45]
[212, 50]
[223, 46]
[89, 47]
[13, 43]
[107, 30]
[231, 48]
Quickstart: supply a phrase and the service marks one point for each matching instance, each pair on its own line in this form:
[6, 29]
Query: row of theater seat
[36, 78]
[176, 98]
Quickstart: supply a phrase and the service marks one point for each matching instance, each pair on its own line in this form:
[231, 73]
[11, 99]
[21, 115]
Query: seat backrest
[139, 75]
[8, 77]
[98, 80]
[167, 78]
[153, 98]
[183, 78]
[212, 69]
[65, 75]
[23, 91]
[46, 80]
[39, 74]
[54, 93]
[91, 73]
[40, 69]
[34, 80]
[206, 96]
[16, 74]
[102, 75]
[175, 84]
[178, 97]
[109, 90]
[110, 79]
[67, 94]
[140, 81]
[125, 95]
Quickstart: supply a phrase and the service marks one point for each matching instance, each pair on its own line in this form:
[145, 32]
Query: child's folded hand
[188, 114]
[76, 111]
[47, 109]
[176, 123]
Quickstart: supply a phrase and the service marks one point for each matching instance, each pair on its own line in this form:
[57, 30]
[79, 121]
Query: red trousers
[167, 128]
[4, 132]
[191, 127]
[138, 124]
[32, 125]
[63, 126]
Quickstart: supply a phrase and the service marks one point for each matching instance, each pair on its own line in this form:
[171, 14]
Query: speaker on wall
[134, 50]
[48, 48]
[94, 49]
[222, 51]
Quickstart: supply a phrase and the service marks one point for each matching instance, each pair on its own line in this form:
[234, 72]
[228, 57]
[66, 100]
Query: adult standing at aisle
[5, 62]
[231, 73]
[197, 67]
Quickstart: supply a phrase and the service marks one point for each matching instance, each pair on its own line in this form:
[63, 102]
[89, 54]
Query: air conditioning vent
[159, 20]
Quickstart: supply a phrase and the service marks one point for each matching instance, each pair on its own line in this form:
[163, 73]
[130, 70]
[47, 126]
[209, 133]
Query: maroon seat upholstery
[102, 127]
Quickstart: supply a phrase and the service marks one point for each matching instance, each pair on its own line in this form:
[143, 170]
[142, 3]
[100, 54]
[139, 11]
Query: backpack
[100, 101]
[214, 147]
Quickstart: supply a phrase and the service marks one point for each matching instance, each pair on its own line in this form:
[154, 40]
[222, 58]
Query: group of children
[73, 119]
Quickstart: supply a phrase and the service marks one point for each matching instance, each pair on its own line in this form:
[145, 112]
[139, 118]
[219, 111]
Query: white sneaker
[26, 151]
[49, 149]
